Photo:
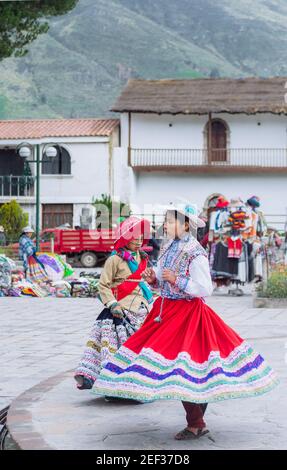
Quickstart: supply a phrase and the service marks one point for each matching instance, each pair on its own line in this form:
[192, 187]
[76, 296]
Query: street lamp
[25, 150]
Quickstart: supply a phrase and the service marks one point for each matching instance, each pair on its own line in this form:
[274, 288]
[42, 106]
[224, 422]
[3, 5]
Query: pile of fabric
[86, 286]
[47, 275]
[14, 284]
[62, 289]
[6, 267]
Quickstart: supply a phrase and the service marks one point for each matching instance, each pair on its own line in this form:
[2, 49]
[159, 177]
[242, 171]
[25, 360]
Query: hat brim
[196, 222]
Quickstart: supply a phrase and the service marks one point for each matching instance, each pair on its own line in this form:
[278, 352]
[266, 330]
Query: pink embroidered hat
[131, 228]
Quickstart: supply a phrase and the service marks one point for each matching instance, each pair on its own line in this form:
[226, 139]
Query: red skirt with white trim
[190, 355]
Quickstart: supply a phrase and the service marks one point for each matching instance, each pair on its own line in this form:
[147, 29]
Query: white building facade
[176, 141]
[81, 172]
[179, 143]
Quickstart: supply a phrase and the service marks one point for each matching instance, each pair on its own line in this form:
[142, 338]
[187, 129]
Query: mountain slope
[80, 66]
[250, 34]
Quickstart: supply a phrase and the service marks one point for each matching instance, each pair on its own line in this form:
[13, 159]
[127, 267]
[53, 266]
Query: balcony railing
[264, 158]
[17, 186]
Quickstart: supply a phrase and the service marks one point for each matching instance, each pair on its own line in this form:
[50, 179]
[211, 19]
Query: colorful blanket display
[43, 267]
[36, 272]
[56, 268]
[47, 275]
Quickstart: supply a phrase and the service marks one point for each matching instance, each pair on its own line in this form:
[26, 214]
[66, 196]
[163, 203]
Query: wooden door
[54, 215]
[218, 141]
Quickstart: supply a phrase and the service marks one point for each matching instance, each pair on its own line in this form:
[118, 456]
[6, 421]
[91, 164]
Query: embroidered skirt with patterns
[190, 355]
[107, 336]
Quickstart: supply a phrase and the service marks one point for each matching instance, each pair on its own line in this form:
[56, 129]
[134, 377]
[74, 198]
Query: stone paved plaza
[44, 338]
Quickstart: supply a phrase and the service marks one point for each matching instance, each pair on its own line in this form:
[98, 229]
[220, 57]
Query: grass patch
[276, 285]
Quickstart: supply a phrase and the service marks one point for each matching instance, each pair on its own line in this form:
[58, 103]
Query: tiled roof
[201, 96]
[39, 129]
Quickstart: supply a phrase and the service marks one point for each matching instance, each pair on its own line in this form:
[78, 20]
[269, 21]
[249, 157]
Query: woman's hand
[169, 276]
[149, 275]
[117, 311]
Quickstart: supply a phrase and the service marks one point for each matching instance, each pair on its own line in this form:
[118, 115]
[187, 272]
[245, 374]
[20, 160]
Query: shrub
[276, 285]
[13, 219]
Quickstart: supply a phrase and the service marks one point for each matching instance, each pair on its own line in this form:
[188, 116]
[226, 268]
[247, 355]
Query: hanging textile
[224, 267]
[234, 247]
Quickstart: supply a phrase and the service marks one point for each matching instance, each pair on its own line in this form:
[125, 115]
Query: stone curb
[19, 419]
[264, 302]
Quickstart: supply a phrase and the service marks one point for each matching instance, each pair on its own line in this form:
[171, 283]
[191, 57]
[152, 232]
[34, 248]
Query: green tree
[116, 210]
[13, 219]
[21, 22]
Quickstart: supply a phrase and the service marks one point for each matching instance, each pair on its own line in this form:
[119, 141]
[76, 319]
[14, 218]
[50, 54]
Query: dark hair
[183, 219]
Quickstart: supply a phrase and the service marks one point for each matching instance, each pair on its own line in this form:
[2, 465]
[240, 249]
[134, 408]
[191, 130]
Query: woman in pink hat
[125, 296]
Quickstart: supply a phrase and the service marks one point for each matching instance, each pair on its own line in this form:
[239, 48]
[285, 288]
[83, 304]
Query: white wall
[246, 133]
[124, 129]
[89, 175]
[125, 179]
[89, 178]
[91, 158]
[154, 131]
[163, 188]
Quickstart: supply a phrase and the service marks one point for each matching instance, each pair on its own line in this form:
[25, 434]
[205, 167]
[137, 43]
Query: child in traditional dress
[184, 351]
[126, 298]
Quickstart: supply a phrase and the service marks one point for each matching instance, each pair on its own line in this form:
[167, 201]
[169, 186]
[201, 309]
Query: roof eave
[200, 113]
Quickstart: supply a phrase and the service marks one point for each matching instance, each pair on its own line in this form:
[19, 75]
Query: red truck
[86, 246]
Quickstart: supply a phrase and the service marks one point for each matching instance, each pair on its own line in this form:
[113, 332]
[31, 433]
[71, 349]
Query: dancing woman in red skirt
[183, 350]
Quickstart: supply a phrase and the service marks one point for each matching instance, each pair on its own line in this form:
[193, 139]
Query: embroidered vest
[178, 257]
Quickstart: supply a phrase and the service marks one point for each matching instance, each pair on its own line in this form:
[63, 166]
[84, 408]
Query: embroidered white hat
[28, 229]
[189, 211]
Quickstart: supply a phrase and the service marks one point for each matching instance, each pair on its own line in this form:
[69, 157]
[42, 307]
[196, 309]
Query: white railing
[278, 221]
[239, 157]
[17, 186]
